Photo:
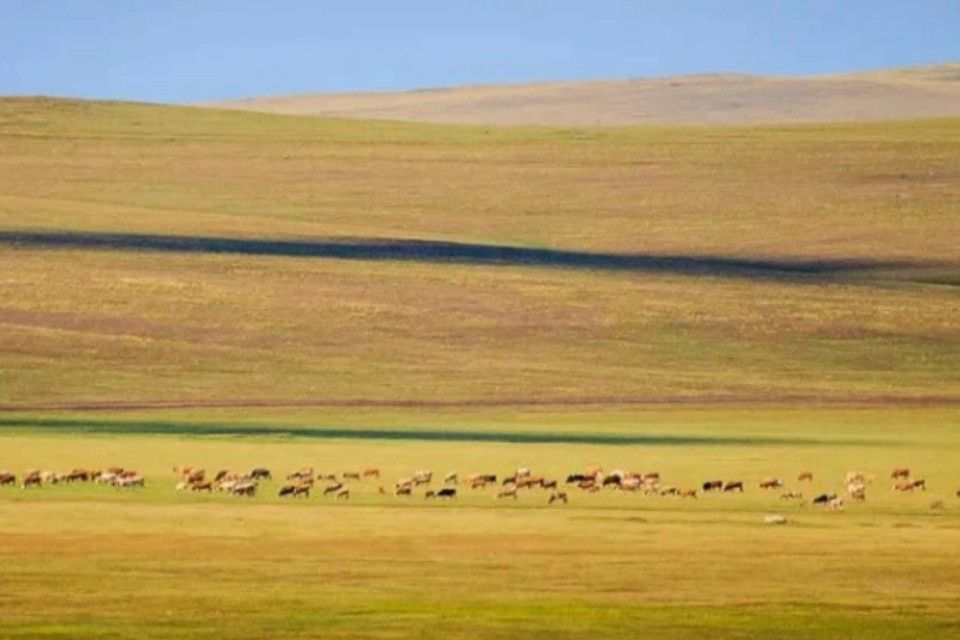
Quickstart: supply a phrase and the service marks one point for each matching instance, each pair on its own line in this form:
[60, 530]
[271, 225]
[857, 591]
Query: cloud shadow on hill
[440, 252]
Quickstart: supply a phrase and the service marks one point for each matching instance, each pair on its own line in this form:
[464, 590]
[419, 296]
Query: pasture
[606, 564]
[197, 287]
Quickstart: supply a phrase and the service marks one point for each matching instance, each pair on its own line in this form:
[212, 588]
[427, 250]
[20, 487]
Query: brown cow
[333, 488]
[771, 483]
[806, 475]
[904, 486]
[733, 486]
[7, 478]
[900, 473]
[202, 486]
[343, 494]
[688, 493]
[32, 479]
[403, 490]
[508, 492]
[371, 472]
[351, 475]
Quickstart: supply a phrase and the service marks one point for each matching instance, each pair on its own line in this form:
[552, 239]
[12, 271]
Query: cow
[371, 472]
[430, 495]
[7, 478]
[549, 484]
[259, 473]
[669, 491]
[577, 478]
[857, 491]
[247, 489]
[920, 484]
[688, 493]
[629, 484]
[447, 493]
[422, 477]
[824, 498]
[522, 472]
[588, 485]
[202, 486]
[557, 496]
[224, 474]
[294, 490]
[403, 490]
[792, 495]
[652, 475]
[858, 476]
[480, 480]
[900, 473]
[333, 488]
[351, 475]
[301, 474]
[31, 479]
[526, 482]
[507, 492]
[712, 485]
[904, 487]
[343, 494]
[612, 479]
[835, 505]
[806, 475]
[126, 482]
[451, 478]
[735, 485]
[771, 483]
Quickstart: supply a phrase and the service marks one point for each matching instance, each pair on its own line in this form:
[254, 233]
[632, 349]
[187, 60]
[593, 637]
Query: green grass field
[196, 287]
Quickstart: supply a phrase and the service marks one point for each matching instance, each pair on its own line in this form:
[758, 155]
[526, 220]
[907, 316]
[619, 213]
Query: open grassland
[553, 266]
[76, 558]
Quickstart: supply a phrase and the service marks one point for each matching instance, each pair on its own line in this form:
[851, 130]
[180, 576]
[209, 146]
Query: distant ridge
[706, 99]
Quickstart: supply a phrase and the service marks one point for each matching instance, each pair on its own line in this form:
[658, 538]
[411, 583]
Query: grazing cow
[669, 491]
[612, 479]
[549, 484]
[904, 486]
[49, 477]
[920, 484]
[526, 482]
[900, 473]
[712, 485]
[447, 493]
[629, 484]
[480, 480]
[508, 492]
[733, 486]
[259, 473]
[301, 474]
[589, 485]
[7, 478]
[430, 495]
[824, 498]
[422, 477]
[202, 486]
[247, 489]
[806, 475]
[287, 490]
[333, 488]
[688, 493]
[857, 491]
[32, 480]
[371, 472]
[557, 496]
[351, 475]
[577, 478]
[125, 482]
[792, 495]
[223, 475]
[771, 483]
[343, 494]
[451, 478]
[403, 490]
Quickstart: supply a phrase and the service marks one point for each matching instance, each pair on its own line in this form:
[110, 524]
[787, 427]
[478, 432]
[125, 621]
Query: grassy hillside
[706, 99]
[764, 264]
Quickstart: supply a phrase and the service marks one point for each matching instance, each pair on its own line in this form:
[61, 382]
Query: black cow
[447, 493]
[261, 474]
[733, 486]
[713, 485]
[824, 498]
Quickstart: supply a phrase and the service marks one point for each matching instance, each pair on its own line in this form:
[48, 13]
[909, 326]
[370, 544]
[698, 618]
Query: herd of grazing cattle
[301, 482]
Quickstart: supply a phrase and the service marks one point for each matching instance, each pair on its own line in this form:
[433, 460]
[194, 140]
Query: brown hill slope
[702, 99]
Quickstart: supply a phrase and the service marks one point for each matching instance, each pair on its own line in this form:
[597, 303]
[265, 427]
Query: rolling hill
[184, 257]
[713, 99]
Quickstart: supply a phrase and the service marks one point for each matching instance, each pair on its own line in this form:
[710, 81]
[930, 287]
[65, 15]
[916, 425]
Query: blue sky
[193, 50]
